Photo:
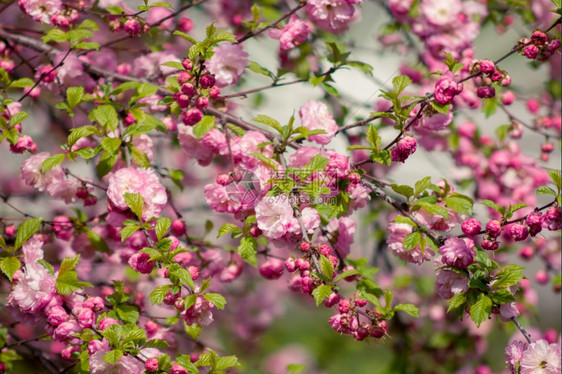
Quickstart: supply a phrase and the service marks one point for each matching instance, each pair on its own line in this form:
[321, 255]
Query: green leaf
[55, 35]
[162, 226]
[457, 301]
[321, 292]
[459, 203]
[3, 242]
[382, 157]
[267, 161]
[139, 157]
[125, 87]
[491, 204]
[135, 202]
[105, 164]
[373, 137]
[345, 274]
[106, 116]
[440, 108]
[217, 299]
[228, 227]
[97, 241]
[421, 185]
[489, 106]
[502, 296]
[247, 250]
[556, 178]
[9, 266]
[113, 356]
[331, 90]
[412, 240]
[204, 126]
[433, 208]
[51, 162]
[406, 220]
[411, 309]
[74, 96]
[185, 361]
[317, 163]
[23, 82]
[400, 83]
[173, 64]
[18, 117]
[128, 231]
[481, 309]
[26, 230]
[127, 313]
[403, 190]
[86, 45]
[266, 120]
[326, 267]
[156, 343]
[501, 131]
[508, 276]
[68, 282]
[257, 68]
[80, 132]
[88, 24]
[159, 293]
[544, 190]
[185, 36]
[143, 90]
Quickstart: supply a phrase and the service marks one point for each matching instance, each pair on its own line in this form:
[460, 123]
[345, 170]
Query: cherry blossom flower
[228, 64]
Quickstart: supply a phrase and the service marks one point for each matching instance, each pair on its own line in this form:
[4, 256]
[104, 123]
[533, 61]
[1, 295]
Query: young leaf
[412, 240]
[135, 202]
[481, 309]
[9, 266]
[204, 126]
[162, 226]
[411, 309]
[421, 185]
[247, 250]
[218, 300]
[326, 267]
[51, 162]
[26, 230]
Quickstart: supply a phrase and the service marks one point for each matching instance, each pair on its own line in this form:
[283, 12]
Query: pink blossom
[303, 156]
[436, 121]
[66, 330]
[457, 252]
[338, 166]
[315, 116]
[64, 189]
[142, 181]
[218, 199]
[228, 64]
[31, 172]
[508, 311]
[56, 315]
[141, 263]
[199, 149]
[272, 268]
[448, 283]
[294, 33]
[125, 365]
[403, 149]
[41, 10]
[156, 14]
[273, 215]
[331, 15]
[397, 233]
[441, 12]
[34, 290]
[541, 358]
[344, 230]
[446, 88]
[514, 353]
[199, 313]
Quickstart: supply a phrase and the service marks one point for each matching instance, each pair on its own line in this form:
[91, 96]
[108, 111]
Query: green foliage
[9, 266]
[67, 279]
[248, 249]
[26, 231]
[481, 309]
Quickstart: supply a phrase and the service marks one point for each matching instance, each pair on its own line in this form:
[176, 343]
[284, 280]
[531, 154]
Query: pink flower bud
[151, 365]
[86, 318]
[271, 269]
[541, 276]
[132, 26]
[187, 64]
[56, 315]
[185, 24]
[325, 249]
[183, 77]
[493, 228]
[193, 271]
[207, 81]
[10, 230]
[67, 352]
[403, 149]
[526, 252]
[302, 264]
[62, 227]
[490, 245]
[95, 303]
[344, 306]
[551, 219]
[202, 102]
[290, 264]
[487, 66]
[182, 100]
[188, 89]
[141, 263]
[178, 227]
[471, 227]
[539, 38]
[332, 300]
[192, 116]
[214, 92]
[304, 246]
[508, 97]
[486, 92]
[518, 232]
[90, 200]
[531, 51]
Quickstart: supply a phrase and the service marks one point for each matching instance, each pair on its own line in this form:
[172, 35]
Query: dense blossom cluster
[146, 99]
